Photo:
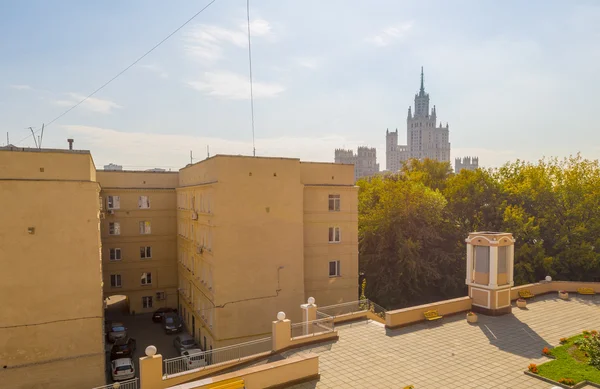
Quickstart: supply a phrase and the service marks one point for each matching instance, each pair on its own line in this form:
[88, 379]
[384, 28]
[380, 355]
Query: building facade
[293, 235]
[425, 138]
[364, 161]
[51, 321]
[139, 244]
[466, 163]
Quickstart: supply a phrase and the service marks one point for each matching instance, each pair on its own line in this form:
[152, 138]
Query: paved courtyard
[452, 354]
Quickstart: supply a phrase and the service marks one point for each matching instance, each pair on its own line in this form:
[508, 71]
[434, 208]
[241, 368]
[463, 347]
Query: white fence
[312, 328]
[203, 359]
[128, 384]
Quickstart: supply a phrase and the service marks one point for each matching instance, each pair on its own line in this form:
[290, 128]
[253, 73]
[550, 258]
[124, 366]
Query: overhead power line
[126, 69]
[250, 66]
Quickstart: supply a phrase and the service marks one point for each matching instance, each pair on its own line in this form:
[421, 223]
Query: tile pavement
[452, 354]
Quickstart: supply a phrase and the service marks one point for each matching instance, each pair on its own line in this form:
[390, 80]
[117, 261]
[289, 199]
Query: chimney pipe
[70, 144]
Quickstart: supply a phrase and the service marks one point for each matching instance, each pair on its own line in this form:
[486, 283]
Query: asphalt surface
[141, 328]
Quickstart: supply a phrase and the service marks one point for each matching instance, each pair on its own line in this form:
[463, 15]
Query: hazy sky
[514, 79]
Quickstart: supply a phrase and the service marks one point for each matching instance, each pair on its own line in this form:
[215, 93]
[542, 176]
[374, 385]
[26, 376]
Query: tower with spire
[425, 139]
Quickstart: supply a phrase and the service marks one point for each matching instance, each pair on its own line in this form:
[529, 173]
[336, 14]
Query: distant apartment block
[466, 163]
[364, 161]
[112, 166]
[425, 138]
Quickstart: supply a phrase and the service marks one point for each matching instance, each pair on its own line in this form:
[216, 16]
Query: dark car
[159, 313]
[171, 323]
[123, 348]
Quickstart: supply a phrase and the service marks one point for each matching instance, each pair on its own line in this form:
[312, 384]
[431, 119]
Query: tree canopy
[412, 225]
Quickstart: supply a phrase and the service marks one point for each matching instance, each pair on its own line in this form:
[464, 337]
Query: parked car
[159, 313]
[194, 358]
[184, 342]
[122, 369]
[123, 348]
[116, 331]
[171, 323]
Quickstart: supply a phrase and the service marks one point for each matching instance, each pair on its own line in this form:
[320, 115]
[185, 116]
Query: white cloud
[390, 34]
[92, 104]
[205, 42]
[229, 85]
[309, 62]
[156, 69]
[138, 149]
[21, 87]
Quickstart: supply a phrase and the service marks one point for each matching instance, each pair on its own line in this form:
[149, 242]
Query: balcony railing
[311, 328]
[352, 307]
[216, 356]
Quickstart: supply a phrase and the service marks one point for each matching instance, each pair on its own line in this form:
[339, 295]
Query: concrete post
[469, 264]
[151, 369]
[309, 313]
[282, 332]
[511, 264]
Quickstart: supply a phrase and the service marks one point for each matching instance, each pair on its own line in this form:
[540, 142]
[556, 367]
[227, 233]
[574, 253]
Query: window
[334, 202]
[482, 259]
[114, 228]
[334, 234]
[147, 302]
[113, 202]
[115, 254]
[334, 268]
[146, 252]
[502, 254]
[146, 278]
[115, 280]
[145, 228]
[144, 202]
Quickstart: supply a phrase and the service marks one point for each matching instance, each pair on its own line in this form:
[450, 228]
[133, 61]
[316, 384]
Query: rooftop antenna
[7, 140]
[250, 71]
[33, 135]
[41, 136]
[207, 151]
[191, 158]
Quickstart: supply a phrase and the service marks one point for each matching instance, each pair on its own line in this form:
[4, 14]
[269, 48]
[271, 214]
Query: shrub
[591, 346]
[546, 351]
[594, 332]
[586, 332]
[563, 340]
[567, 381]
[532, 368]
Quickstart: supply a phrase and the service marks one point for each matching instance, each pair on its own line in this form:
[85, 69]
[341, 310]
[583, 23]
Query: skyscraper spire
[422, 84]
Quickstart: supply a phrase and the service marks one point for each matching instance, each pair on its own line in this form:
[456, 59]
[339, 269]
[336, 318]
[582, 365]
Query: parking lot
[141, 328]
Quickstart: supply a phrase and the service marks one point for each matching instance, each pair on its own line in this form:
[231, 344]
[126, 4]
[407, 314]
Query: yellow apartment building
[51, 320]
[260, 235]
[139, 244]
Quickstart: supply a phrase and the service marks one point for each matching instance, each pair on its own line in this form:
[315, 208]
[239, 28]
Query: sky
[514, 79]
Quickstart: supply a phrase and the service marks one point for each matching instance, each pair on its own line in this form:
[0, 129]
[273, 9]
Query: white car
[122, 369]
[194, 358]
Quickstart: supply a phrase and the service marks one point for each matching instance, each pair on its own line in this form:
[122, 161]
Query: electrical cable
[124, 70]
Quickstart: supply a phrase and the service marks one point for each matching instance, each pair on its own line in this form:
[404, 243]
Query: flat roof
[36, 150]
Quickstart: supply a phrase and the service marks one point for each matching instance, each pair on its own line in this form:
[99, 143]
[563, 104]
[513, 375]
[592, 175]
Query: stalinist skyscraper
[425, 138]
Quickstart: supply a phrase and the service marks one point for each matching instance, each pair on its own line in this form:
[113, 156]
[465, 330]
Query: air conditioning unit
[160, 296]
[111, 211]
[194, 215]
[102, 215]
[199, 250]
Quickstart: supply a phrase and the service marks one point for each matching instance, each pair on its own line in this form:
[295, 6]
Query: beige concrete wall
[318, 251]
[320, 173]
[481, 297]
[405, 316]
[137, 179]
[503, 298]
[51, 279]
[553, 286]
[46, 165]
[159, 187]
